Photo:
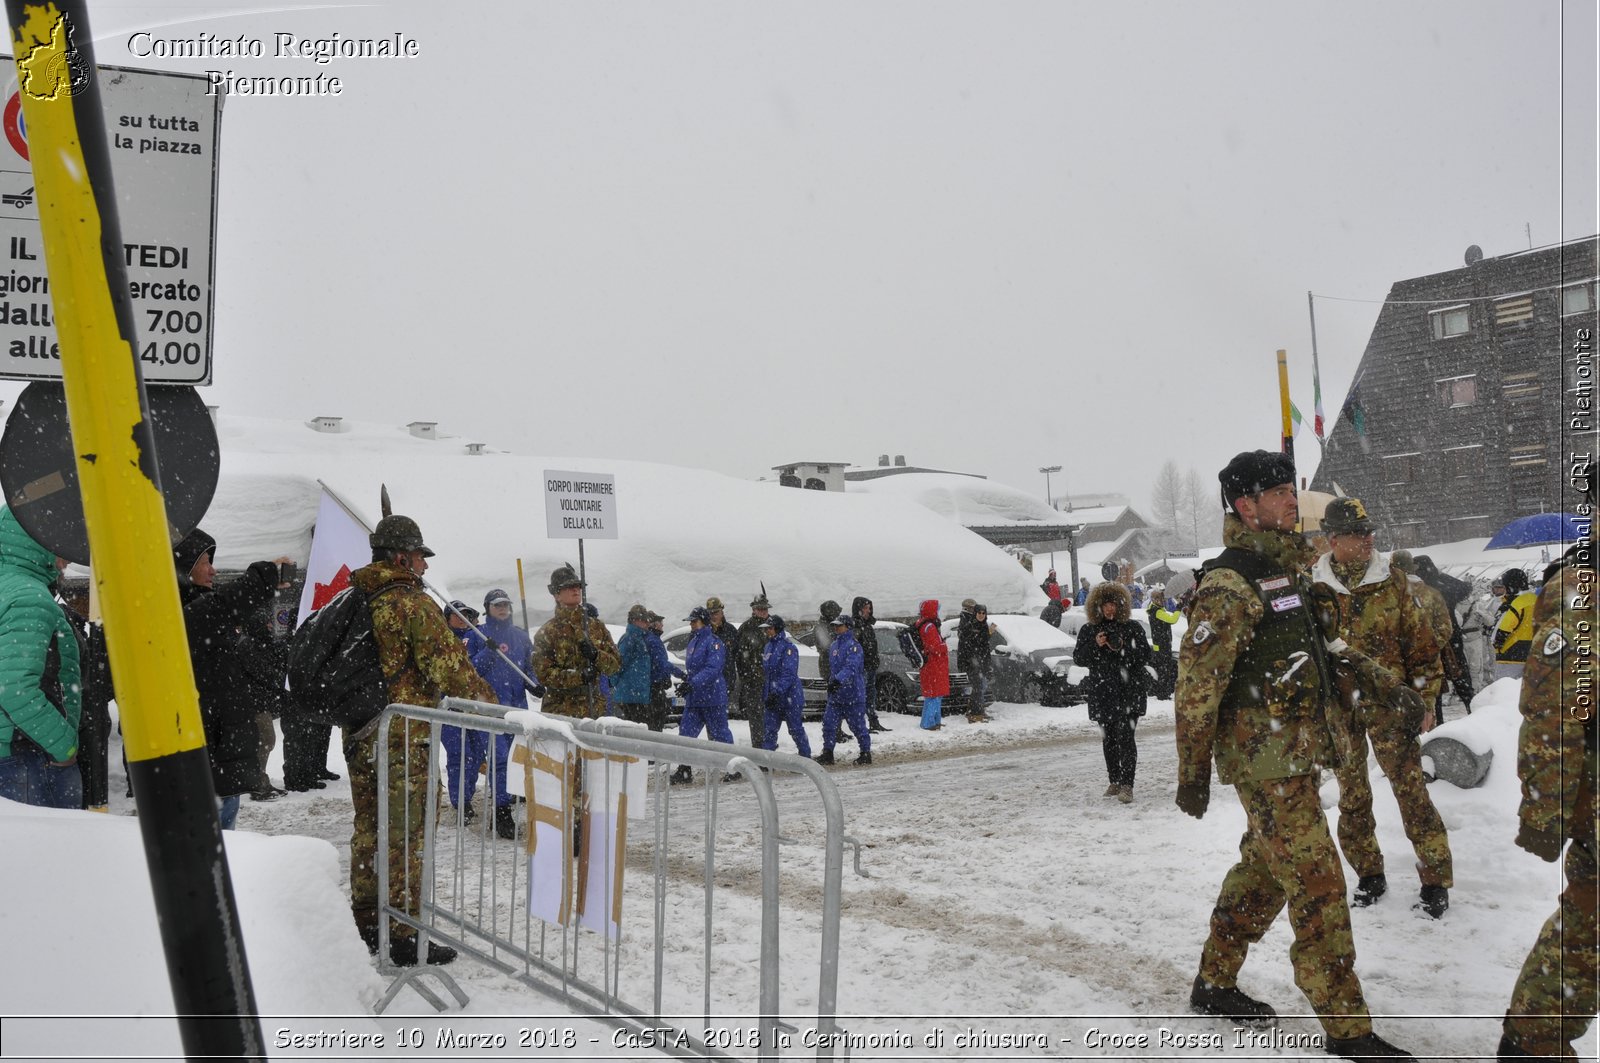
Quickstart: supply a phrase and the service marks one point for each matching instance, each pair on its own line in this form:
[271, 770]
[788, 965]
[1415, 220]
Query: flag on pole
[1316, 411]
[1297, 417]
[339, 545]
[609, 782]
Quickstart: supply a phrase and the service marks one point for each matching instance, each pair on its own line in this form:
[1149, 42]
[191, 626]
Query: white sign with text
[580, 505]
[161, 132]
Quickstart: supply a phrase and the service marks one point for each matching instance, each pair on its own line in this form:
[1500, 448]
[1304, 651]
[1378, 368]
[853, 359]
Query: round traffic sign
[39, 471]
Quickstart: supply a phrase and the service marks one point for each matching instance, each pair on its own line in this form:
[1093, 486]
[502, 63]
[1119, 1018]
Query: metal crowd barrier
[474, 893]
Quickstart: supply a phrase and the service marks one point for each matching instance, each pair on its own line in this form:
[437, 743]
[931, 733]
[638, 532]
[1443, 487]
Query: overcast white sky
[730, 235]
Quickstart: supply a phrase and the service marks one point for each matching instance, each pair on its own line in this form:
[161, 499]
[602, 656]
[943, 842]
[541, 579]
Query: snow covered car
[1032, 661]
[899, 683]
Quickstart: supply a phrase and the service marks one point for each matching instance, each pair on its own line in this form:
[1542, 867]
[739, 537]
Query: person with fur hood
[1114, 649]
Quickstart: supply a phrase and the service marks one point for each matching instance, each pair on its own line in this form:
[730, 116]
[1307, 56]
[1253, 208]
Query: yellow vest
[1514, 634]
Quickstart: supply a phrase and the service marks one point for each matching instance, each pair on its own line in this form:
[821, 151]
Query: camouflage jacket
[422, 659]
[1440, 622]
[1382, 618]
[559, 663]
[1556, 746]
[1288, 733]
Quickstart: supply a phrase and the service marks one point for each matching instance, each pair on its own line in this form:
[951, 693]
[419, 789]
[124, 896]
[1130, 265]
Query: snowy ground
[1004, 894]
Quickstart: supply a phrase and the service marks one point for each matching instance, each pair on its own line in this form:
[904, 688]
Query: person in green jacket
[41, 691]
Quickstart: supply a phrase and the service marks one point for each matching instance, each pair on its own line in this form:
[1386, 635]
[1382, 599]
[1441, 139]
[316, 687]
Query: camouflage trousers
[1559, 987]
[1399, 757]
[753, 708]
[1287, 859]
[409, 789]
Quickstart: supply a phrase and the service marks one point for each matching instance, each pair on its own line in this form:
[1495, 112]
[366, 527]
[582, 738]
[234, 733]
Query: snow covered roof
[967, 500]
[684, 534]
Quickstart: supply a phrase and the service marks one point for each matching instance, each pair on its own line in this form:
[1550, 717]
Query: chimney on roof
[475, 448]
[424, 429]
[900, 460]
[883, 461]
[326, 424]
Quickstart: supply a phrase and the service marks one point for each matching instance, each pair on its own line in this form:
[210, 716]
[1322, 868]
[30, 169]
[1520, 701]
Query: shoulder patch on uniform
[1276, 583]
[1554, 644]
[1201, 632]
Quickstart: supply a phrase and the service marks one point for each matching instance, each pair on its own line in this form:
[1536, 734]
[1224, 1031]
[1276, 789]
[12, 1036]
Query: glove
[535, 689]
[1193, 797]
[834, 686]
[685, 689]
[1544, 844]
[1410, 703]
[588, 651]
[589, 673]
[773, 703]
[266, 572]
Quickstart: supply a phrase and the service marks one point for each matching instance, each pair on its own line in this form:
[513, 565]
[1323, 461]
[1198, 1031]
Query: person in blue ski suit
[463, 749]
[662, 671]
[782, 697]
[501, 636]
[705, 691]
[847, 692]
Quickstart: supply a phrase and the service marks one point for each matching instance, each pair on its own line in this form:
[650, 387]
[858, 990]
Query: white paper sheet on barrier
[613, 785]
[548, 767]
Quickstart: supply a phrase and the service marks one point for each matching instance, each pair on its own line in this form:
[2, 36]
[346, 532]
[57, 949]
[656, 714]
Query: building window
[824, 468]
[1401, 468]
[1517, 311]
[1458, 390]
[1464, 461]
[1527, 456]
[1451, 321]
[1474, 527]
[1577, 299]
[814, 483]
[1407, 534]
[1522, 387]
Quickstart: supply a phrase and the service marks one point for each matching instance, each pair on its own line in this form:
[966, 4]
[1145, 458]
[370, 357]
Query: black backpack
[334, 673]
[911, 645]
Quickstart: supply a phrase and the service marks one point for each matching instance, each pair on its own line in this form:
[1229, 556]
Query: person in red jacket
[935, 673]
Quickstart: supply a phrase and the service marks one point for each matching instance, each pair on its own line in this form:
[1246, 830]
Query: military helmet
[1345, 516]
[1514, 580]
[562, 578]
[398, 533]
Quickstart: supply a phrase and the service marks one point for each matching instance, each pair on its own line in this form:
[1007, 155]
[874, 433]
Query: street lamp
[1047, 470]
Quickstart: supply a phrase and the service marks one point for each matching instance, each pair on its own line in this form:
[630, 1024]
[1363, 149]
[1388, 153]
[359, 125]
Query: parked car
[1032, 661]
[899, 681]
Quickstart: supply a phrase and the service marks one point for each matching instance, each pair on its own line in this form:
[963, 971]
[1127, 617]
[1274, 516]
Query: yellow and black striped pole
[128, 535]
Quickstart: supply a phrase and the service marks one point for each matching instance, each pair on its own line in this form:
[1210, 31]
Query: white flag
[339, 546]
[549, 768]
[612, 786]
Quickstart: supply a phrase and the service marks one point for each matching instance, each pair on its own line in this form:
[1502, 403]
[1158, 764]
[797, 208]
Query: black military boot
[1434, 901]
[1509, 1049]
[1367, 1047]
[1369, 889]
[825, 757]
[504, 824]
[864, 759]
[683, 775]
[403, 953]
[1232, 1004]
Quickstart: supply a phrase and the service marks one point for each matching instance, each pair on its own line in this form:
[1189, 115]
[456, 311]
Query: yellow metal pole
[127, 527]
[1283, 401]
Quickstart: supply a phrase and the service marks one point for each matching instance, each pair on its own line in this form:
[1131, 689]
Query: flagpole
[1283, 402]
[345, 506]
[1316, 378]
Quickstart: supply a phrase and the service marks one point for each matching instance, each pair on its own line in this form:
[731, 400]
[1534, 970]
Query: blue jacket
[705, 660]
[661, 666]
[30, 621]
[631, 686]
[847, 666]
[508, 685]
[780, 668]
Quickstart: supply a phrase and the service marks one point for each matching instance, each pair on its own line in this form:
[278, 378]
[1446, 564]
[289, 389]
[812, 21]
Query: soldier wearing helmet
[572, 651]
[423, 661]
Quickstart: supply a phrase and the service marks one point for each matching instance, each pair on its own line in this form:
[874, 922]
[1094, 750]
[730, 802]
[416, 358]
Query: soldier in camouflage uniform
[1559, 988]
[571, 652]
[1440, 621]
[423, 661]
[1379, 616]
[1254, 693]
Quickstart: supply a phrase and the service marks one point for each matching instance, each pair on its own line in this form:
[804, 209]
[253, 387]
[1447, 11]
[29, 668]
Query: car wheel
[1032, 690]
[891, 695]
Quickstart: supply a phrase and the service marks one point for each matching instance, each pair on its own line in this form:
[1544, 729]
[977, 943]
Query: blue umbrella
[1539, 529]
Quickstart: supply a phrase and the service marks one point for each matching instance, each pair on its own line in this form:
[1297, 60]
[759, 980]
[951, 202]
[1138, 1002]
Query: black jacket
[972, 645]
[1051, 614]
[1117, 676]
[230, 670]
[870, 660]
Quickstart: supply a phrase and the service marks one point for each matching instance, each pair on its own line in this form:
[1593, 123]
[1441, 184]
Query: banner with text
[580, 505]
[161, 132]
